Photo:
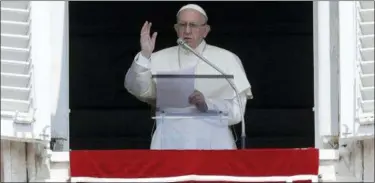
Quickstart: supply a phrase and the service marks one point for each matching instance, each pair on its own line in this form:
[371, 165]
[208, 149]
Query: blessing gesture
[147, 41]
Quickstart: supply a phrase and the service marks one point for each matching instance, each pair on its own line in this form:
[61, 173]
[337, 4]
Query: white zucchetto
[194, 7]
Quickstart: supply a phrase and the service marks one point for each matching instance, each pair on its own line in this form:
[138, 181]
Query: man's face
[191, 26]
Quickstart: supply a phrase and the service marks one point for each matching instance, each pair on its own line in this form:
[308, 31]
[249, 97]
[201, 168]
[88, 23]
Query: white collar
[199, 49]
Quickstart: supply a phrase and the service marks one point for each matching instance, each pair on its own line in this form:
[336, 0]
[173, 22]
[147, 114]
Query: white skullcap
[194, 7]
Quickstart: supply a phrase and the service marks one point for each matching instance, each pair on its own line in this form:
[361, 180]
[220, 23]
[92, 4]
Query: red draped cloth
[259, 165]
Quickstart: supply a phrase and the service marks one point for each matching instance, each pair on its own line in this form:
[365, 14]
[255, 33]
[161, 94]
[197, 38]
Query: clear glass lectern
[180, 125]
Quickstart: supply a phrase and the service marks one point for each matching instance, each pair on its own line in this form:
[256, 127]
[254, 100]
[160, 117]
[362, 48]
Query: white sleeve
[231, 107]
[138, 79]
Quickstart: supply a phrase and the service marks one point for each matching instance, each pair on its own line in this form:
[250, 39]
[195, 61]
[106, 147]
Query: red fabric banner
[170, 163]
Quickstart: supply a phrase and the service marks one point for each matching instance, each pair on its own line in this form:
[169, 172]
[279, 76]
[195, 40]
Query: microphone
[182, 43]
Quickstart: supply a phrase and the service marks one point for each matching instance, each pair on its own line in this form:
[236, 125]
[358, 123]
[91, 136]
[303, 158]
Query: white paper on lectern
[174, 92]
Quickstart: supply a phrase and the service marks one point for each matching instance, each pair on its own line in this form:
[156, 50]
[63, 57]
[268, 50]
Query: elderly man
[192, 27]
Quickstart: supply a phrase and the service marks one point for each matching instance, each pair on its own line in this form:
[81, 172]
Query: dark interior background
[273, 39]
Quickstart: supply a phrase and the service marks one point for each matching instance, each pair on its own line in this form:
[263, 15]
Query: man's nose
[187, 29]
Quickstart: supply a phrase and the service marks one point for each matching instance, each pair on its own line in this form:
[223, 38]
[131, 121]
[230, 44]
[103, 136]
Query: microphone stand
[243, 130]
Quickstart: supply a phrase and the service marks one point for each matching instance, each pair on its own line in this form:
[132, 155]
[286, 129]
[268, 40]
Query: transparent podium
[180, 125]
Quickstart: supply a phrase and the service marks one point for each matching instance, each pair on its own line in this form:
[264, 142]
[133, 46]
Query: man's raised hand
[147, 41]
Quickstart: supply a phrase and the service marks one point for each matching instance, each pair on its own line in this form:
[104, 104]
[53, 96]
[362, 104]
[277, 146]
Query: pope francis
[190, 133]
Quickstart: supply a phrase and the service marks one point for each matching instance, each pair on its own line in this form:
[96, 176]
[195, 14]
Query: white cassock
[192, 133]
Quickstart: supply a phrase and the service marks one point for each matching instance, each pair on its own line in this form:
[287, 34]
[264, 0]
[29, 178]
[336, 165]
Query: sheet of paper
[174, 91]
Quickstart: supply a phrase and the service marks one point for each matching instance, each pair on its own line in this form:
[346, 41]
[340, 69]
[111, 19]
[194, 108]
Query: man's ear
[175, 28]
[208, 29]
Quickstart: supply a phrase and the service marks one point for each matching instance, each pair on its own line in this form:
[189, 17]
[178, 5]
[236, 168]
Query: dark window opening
[274, 40]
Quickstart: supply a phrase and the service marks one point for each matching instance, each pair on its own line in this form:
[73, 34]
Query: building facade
[35, 90]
